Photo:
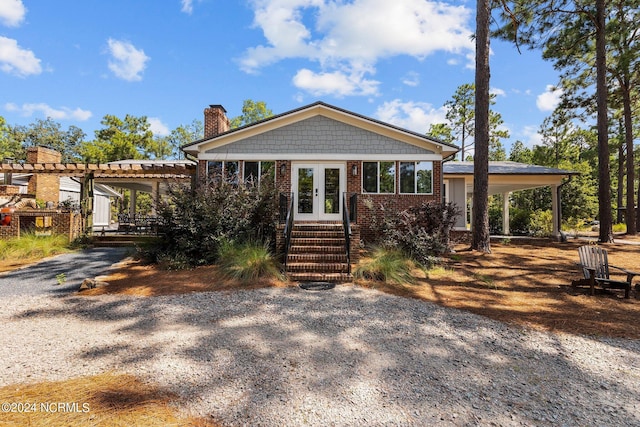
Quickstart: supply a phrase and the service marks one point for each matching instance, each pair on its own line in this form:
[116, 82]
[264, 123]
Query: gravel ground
[344, 357]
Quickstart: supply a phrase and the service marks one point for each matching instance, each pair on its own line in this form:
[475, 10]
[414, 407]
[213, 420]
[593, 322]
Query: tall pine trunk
[480, 220]
[630, 215]
[604, 179]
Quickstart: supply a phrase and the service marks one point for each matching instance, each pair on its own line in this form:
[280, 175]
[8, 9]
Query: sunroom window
[416, 177]
[216, 170]
[255, 172]
[379, 177]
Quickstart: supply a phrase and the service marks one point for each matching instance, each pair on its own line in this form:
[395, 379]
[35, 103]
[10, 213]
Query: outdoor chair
[594, 265]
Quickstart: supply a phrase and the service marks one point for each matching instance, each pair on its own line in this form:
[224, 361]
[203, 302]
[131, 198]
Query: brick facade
[66, 223]
[45, 187]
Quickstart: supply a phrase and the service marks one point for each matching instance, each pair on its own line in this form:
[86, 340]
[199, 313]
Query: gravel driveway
[40, 278]
[349, 356]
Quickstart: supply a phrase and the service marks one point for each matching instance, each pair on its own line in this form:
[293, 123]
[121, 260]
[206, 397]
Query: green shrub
[519, 220]
[247, 261]
[541, 223]
[386, 265]
[199, 221]
[421, 232]
[619, 228]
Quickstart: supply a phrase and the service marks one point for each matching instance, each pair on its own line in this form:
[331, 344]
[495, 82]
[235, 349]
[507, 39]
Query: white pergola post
[505, 214]
[132, 203]
[555, 211]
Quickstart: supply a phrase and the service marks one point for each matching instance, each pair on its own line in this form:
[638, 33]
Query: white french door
[318, 189]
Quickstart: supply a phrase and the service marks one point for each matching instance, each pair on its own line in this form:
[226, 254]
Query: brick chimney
[215, 121]
[45, 187]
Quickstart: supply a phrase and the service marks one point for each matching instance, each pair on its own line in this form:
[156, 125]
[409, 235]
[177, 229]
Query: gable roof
[321, 109]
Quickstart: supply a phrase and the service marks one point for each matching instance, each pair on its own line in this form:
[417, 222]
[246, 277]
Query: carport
[504, 178]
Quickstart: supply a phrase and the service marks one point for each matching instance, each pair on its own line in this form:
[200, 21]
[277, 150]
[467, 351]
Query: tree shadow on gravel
[354, 356]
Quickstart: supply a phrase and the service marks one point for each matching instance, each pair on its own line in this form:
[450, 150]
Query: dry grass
[519, 283]
[102, 400]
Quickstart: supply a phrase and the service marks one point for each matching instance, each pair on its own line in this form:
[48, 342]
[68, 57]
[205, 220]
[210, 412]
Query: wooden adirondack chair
[594, 265]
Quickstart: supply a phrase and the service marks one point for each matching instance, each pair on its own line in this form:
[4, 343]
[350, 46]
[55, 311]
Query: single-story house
[320, 152]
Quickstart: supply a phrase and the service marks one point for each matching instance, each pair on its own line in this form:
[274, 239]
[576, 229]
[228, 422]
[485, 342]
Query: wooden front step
[318, 253]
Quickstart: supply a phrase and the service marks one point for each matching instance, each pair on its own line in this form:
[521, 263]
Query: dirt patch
[520, 283]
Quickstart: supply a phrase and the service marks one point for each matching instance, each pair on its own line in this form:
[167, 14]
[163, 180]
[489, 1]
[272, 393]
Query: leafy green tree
[49, 133]
[461, 121]
[9, 146]
[120, 139]
[573, 35]
[252, 112]
[442, 132]
[183, 135]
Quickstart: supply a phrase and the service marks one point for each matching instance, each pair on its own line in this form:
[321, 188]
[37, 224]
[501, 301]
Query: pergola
[151, 176]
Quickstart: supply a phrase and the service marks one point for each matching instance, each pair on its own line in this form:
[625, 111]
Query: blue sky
[397, 61]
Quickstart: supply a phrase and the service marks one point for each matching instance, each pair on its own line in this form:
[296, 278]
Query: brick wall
[66, 223]
[397, 202]
[45, 187]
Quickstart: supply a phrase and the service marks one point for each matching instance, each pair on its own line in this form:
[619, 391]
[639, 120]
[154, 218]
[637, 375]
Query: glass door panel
[331, 190]
[305, 190]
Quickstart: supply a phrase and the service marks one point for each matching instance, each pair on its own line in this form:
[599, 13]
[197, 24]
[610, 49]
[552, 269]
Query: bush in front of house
[421, 232]
[198, 222]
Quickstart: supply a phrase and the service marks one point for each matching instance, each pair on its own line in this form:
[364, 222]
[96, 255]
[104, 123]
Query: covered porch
[504, 178]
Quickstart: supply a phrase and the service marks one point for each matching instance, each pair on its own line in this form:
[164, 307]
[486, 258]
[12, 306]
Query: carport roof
[503, 168]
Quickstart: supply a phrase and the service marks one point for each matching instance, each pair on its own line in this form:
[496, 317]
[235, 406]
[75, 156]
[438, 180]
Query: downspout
[563, 237]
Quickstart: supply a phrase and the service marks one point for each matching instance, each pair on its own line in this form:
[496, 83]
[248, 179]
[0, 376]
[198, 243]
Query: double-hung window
[416, 177]
[379, 177]
[255, 172]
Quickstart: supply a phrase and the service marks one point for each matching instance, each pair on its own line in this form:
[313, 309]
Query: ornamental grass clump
[386, 265]
[246, 262]
[30, 246]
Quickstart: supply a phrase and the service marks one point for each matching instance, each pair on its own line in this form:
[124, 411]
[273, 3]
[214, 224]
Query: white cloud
[157, 127]
[497, 91]
[127, 62]
[16, 60]
[336, 83]
[531, 136]
[411, 79]
[62, 113]
[353, 36]
[187, 6]
[12, 12]
[549, 100]
[415, 116]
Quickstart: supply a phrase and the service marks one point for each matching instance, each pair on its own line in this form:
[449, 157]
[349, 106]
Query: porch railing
[346, 224]
[288, 225]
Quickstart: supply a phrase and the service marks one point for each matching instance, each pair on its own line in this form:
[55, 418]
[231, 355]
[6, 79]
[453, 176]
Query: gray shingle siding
[320, 135]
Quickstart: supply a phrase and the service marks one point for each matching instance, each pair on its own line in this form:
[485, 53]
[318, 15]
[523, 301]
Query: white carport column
[132, 203]
[555, 211]
[505, 214]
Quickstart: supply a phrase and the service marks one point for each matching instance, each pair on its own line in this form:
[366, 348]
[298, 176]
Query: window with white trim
[255, 172]
[216, 170]
[379, 177]
[416, 177]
